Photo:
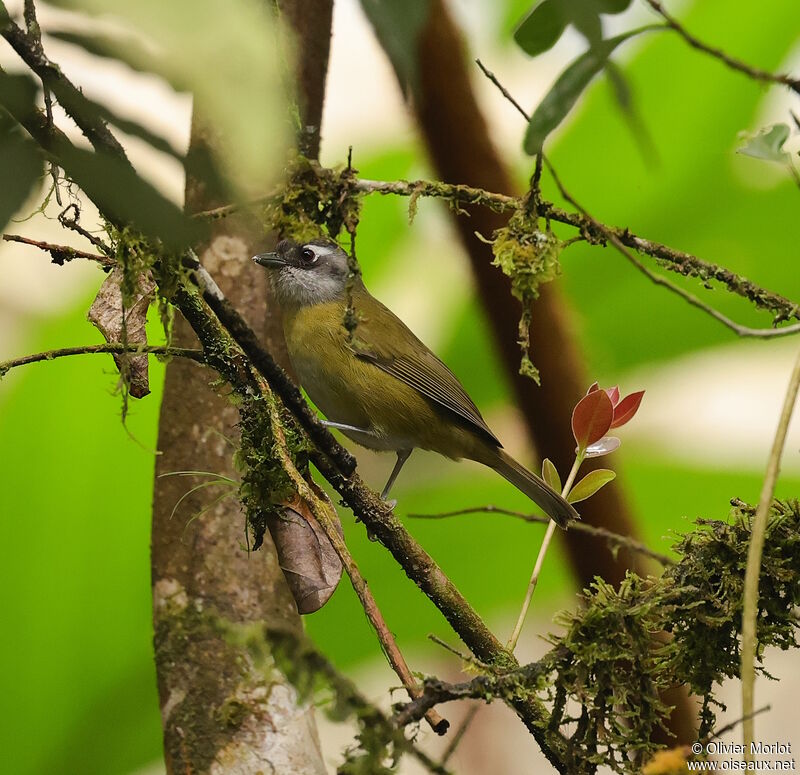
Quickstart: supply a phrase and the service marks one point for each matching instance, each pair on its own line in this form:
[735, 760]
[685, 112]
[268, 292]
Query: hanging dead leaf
[118, 322]
[307, 558]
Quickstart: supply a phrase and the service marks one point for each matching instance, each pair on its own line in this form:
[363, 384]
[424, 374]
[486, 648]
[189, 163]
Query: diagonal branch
[683, 263]
[29, 47]
[323, 512]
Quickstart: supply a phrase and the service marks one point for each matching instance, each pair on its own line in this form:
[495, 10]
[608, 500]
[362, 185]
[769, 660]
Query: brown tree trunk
[461, 151]
[225, 707]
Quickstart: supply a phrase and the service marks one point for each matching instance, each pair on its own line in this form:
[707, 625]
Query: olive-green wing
[382, 339]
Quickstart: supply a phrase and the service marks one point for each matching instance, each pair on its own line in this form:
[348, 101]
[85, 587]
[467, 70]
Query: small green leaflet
[398, 24]
[590, 484]
[550, 474]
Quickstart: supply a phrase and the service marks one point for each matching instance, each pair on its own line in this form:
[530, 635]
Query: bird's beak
[269, 260]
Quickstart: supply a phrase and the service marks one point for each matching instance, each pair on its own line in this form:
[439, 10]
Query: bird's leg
[402, 456]
[340, 426]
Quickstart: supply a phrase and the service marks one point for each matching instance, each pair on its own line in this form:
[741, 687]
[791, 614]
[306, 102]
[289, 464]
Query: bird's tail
[535, 488]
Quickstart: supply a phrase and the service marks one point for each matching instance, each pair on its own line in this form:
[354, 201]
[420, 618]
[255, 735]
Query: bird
[376, 382]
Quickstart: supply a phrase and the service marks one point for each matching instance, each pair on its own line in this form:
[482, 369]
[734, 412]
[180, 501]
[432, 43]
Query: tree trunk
[225, 706]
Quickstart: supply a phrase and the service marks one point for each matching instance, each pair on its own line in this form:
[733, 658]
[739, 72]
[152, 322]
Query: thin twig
[537, 567]
[582, 527]
[735, 64]
[733, 724]
[505, 92]
[324, 513]
[72, 222]
[60, 253]
[678, 261]
[29, 48]
[758, 531]
[302, 652]
[739, 330]
[459, 734]
[110, 347]
[483, 687]
[468, 658]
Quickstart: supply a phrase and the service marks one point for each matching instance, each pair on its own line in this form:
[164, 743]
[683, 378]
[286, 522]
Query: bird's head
[303, 274]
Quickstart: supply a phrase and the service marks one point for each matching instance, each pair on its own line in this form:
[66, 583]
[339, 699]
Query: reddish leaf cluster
[597, 413]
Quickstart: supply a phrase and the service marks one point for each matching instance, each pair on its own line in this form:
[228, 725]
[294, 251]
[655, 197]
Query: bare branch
[615, 539]
[740, 330]
[110, 347]
[734, 64]
[61, 253]
[324, 513]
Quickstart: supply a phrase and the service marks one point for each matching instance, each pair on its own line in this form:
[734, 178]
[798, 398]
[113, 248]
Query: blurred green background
[78, 681]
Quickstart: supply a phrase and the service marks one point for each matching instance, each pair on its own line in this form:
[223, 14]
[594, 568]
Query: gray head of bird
[303, 274]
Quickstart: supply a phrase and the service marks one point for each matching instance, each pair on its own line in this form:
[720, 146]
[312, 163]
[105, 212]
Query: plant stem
[758, 530]
[537, 568]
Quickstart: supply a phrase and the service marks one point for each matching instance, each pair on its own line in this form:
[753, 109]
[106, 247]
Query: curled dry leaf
[309, 562]
[118, 322]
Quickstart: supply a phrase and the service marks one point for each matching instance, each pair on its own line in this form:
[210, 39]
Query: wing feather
[402, 355]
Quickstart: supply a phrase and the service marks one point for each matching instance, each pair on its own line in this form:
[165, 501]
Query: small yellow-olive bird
[381, 386]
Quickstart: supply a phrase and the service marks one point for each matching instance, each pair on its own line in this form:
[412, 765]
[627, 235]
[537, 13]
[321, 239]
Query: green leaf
[612, 6]
[767, 144]
[21, 166]
[550, 474]
[569, 86]
[21, 163]
[590, 484]
[118, 191]
[398, 24]
[230, 57]
[541, 28]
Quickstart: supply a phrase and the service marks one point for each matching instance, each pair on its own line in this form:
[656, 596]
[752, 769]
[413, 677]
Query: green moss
[529, 257]
[624, 647]
[315, 202]
[265, 484]
[190, 640]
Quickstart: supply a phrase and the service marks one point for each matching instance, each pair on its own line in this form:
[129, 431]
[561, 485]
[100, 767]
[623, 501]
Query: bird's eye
[308, 255]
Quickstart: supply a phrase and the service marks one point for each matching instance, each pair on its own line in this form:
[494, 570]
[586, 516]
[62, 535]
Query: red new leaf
[594, 386]
[592, 418]
[613, 394]
[625, 409]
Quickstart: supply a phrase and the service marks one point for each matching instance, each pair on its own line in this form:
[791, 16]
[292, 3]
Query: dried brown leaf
[122, 323]
[309, 562]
